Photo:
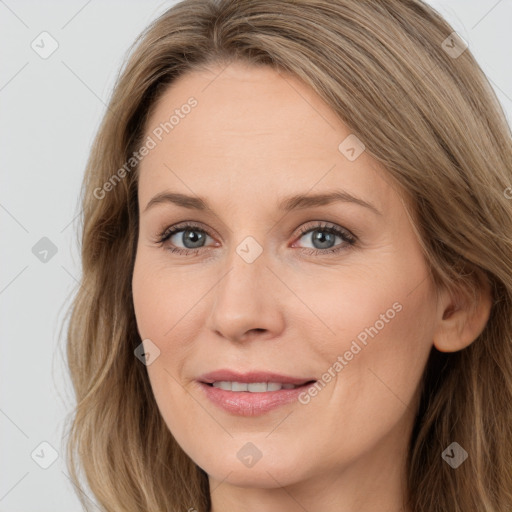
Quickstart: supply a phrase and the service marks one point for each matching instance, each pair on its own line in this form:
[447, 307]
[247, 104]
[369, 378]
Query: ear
[461, 319]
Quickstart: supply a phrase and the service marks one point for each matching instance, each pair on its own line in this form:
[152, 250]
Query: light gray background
[50, 111]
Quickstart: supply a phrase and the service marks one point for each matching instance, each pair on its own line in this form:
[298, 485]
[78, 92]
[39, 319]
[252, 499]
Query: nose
[247, 301]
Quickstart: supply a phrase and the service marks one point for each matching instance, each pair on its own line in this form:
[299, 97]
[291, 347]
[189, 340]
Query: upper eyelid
[184, 226]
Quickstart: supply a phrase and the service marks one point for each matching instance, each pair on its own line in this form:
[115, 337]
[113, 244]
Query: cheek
[166, 310]
[383, 309]
[366, 304]
[161, 302]
[160, 296]
[377, 334]
[385, 344]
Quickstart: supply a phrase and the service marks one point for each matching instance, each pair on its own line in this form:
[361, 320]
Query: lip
[244, 403]
[252, 376]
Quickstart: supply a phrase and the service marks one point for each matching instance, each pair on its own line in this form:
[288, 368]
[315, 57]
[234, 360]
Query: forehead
[251, 128]
[272, 108]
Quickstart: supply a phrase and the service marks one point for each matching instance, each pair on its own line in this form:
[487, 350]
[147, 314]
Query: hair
[435, 124]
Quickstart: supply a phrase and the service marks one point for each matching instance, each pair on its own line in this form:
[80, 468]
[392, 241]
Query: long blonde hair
[428, 115]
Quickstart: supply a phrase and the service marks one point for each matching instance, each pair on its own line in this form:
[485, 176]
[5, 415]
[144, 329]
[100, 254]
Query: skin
[255, 137]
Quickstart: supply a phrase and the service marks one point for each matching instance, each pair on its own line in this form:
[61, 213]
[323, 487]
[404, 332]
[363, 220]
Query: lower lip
[245, 403]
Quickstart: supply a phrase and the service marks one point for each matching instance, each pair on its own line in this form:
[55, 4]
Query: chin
[271, 470]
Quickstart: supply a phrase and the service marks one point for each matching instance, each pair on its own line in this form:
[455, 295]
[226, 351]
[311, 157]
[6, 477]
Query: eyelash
[347, 237]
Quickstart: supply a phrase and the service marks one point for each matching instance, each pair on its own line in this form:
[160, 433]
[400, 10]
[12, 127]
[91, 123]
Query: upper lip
[252, 376]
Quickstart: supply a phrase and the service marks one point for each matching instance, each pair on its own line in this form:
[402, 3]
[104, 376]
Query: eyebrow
[297, 202]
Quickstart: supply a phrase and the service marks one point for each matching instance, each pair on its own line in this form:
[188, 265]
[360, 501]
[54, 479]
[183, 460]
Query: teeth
[253, 387]
[238, 386]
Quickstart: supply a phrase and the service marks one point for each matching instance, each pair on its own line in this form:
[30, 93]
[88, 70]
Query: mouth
[255, 387]
[253, 393]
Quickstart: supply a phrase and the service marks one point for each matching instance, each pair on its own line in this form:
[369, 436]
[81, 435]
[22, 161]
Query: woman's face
[265, 288]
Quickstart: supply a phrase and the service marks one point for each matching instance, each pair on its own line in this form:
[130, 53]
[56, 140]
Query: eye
[323, 237]
[192, 236]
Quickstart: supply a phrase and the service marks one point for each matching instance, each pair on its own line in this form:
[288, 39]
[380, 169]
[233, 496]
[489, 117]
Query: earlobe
[463, 320]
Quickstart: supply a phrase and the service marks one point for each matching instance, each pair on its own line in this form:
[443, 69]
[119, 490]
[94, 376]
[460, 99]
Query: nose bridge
[245, 298]
[246, 262]
[245, 278]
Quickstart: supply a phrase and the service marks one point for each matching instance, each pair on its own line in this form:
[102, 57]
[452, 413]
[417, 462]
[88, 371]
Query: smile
[252, 387]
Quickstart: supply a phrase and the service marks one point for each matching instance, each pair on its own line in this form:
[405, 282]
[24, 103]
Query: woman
[296, 249]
